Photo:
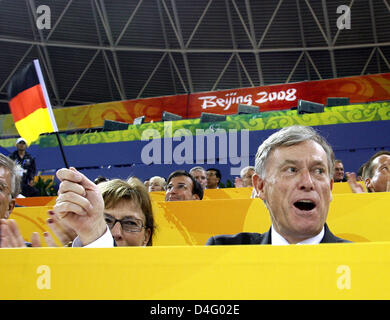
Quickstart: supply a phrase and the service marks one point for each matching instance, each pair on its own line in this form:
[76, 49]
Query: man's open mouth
[305, 205]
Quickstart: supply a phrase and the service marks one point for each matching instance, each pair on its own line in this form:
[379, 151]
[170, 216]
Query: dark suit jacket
[262, 238]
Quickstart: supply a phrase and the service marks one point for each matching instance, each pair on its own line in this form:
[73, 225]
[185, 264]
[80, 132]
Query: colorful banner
[359, 89]
[262, 121]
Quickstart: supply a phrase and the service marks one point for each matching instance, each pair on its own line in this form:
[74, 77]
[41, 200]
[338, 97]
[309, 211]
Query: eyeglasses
[127, 224]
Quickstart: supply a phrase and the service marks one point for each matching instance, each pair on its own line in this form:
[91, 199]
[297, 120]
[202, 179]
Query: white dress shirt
[277, 239]
[105, 241]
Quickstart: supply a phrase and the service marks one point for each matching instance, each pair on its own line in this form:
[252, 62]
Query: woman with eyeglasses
[128, 212]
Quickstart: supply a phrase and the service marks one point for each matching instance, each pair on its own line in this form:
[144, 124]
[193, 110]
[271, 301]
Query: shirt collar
[277, 239]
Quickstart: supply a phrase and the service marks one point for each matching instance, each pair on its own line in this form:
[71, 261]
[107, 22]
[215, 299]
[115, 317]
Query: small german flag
[29, 103]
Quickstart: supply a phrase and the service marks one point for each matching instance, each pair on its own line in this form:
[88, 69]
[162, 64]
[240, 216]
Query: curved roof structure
[105, 50]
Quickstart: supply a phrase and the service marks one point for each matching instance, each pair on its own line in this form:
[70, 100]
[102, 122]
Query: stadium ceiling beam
[61, 44]
[329, 39]
[386, 4]
[253, 37]
[316, 20]
[253, 43]
[271, 20]
[81, 76]
[313, 65]
[303, 39]
[245, 71]
[59, 19]
[16, 67]
[106, 25]
[368, 61]
[295, 67]
[128, 22]
[105, 60]
[42, 50]
[374, 33]
[222, 72]
[166, 42]
[234, 42]
[198, 23]
[179, 35]
[384, 58]
[151, 75]
[107, 63]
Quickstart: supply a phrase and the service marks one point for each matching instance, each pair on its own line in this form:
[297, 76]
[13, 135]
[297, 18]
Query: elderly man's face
[297, 190]
[380, 181]
[200, 176]
[180, 189]
[6, 202]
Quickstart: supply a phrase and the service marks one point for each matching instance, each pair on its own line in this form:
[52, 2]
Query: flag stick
[62, 150]
[49, 108]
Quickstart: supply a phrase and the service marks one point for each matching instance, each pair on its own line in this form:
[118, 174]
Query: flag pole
[49, 108]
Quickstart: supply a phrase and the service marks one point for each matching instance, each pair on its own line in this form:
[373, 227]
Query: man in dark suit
[294, 178]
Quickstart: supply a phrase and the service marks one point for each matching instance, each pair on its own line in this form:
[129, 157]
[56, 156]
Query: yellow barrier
[326, 271]
[343, 187]
[245, 193]
[356, 217]
[209, 194]
[212, 194]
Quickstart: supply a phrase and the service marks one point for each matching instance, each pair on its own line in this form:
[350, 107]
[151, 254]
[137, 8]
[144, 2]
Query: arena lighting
[168, 116]
[247, 109]
[212, 117]
[309, 107]
[139, 120]
[111, 125]
[340, 101]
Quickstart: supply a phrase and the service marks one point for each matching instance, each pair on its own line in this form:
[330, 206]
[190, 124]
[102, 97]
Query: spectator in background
[181, 186]
[360, 172]
[245, 179]
[100, 179]
[199, 175]
[338, 175]
[156, 183]
[213, 178]
[9, 185]
[27, 163]
[376, 174]
[294, 178]
[352, 180]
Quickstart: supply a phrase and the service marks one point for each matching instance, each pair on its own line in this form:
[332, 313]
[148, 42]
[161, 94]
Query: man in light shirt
[294, 178]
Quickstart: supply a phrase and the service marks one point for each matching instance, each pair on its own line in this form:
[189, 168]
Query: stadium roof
[100, 50]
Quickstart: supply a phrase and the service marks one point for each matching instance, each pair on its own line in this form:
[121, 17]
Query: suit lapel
[328, 236]
[266, 237]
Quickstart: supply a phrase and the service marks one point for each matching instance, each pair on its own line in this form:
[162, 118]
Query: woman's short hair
[116, 190]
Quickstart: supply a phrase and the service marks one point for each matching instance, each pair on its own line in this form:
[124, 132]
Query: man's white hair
[290, 136]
